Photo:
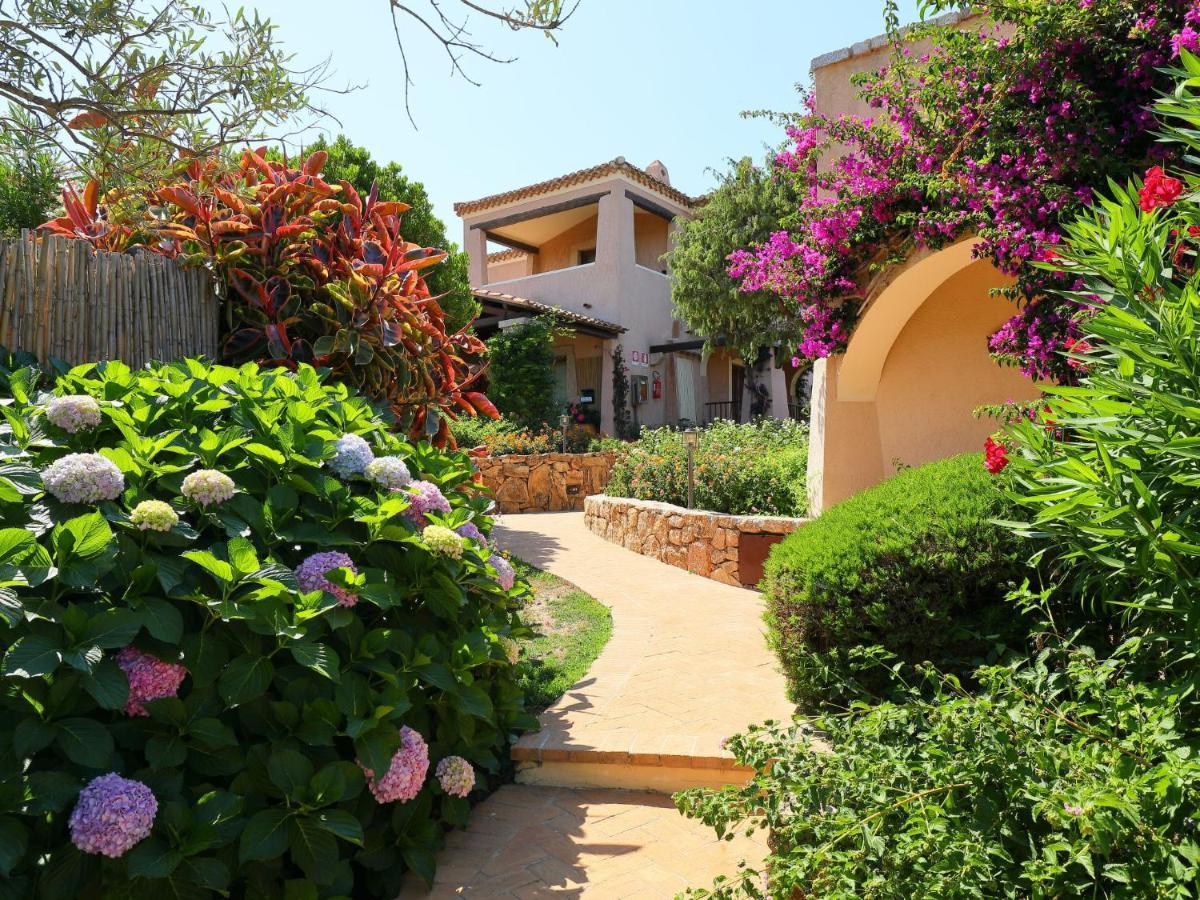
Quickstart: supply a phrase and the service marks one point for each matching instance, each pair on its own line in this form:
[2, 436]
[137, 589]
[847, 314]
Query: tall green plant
[622, 416]
[521, 374]
[1109, 471]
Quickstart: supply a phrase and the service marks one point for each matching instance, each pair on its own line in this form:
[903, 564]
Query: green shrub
[914, 566]
[255, 757]
[753, 469]
[521, 372]
[1062, 777]
[501, 437]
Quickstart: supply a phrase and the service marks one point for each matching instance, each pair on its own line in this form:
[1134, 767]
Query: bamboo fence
[60, 299]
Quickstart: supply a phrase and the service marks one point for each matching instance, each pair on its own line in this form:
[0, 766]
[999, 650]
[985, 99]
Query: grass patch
[572, 628]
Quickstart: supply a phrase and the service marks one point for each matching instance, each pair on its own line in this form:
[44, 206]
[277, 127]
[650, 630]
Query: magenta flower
[406, 774]
[111, 815]
[426, 499]
[310, 574]
[150, 678]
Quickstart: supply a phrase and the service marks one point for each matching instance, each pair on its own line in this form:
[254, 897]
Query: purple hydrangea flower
[74, 412]
[456, 776]
[406, 773]
[84, 478]
[111, 815]
[352, 456]
[471, 530]
[150, 678]
[311, 575]
[506, 576]
[427, 499]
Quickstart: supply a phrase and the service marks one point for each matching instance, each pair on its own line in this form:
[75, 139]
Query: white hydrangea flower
[389, 472]
[444, 541]
[208, 487]
[154, 515]
[84, 478]
[352, 456]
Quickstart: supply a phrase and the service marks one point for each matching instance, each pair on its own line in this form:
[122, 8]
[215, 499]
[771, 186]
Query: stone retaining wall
[545, 482]
[729, 549]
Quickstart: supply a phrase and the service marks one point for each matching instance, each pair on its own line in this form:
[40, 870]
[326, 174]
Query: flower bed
[754, 469]
[729, 549]
[252, 638]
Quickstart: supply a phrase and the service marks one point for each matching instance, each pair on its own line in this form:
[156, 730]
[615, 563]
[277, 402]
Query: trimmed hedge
[914, 566]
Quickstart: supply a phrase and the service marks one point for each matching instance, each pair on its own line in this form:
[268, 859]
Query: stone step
[636, 762]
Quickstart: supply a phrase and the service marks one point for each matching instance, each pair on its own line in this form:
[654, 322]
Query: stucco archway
[914, 371]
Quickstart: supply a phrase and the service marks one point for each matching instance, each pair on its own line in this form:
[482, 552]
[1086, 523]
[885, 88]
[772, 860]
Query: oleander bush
[912, 569]
[742, 469]
[1062, 776]
[255, 644]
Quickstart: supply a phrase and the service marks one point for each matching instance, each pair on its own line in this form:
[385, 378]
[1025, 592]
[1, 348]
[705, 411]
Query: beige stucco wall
[934, 372]
[650, 240]
[510, 268]
[562, 251]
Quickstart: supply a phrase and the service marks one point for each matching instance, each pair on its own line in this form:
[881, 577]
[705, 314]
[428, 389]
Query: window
[587, 256]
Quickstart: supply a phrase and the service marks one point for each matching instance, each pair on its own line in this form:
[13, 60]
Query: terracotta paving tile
[597, 845]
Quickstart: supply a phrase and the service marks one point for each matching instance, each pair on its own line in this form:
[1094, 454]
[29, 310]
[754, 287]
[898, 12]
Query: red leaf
[88, 120]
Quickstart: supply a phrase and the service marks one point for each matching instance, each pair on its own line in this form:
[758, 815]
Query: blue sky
[643, 79]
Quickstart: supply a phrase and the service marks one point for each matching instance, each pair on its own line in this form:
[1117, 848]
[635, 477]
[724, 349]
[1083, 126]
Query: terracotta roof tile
[583, 176]
[506, 255]
[536, 306]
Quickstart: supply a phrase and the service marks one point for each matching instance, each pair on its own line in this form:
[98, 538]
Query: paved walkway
[687, 665]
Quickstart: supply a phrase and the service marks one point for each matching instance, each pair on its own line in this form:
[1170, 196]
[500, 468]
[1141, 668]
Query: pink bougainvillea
[999, 134]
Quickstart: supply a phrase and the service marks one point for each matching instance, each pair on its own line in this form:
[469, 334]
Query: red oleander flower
[995, 456]
[1159, 190]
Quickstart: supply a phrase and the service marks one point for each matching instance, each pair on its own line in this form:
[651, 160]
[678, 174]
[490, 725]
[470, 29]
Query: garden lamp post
[563, 421]
[691, 437]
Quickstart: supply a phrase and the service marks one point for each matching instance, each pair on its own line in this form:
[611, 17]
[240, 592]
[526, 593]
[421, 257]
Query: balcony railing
[725, 409]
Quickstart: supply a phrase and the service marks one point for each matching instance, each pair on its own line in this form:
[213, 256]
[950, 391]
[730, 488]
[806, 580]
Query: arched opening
[916, 369]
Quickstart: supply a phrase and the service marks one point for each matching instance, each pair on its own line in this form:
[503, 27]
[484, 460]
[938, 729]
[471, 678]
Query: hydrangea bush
[231, 662]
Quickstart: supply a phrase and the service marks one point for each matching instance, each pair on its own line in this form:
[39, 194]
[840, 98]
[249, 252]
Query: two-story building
[589, 246]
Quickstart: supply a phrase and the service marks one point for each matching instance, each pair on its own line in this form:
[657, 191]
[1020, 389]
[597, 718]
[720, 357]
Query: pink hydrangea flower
[150, 678]
[74, 412]
[426, 499]
[111, 815]
[506, 576]
[406, 773]
[456, 776]
[311, 575]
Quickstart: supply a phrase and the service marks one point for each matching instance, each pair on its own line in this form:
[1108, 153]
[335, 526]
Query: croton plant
[311, 272]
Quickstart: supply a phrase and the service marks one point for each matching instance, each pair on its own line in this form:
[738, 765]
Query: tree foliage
[29, 182]
[449, 281]
[521, 374]
[744, 209]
